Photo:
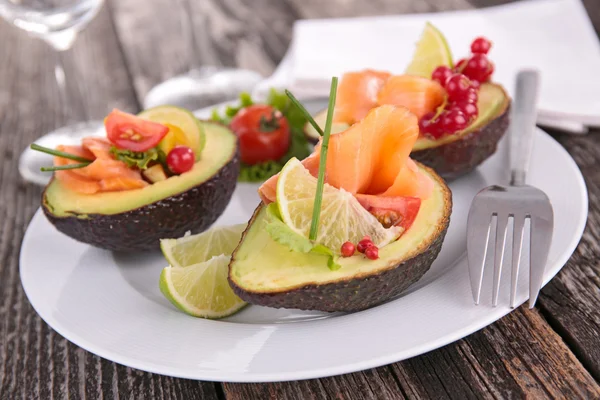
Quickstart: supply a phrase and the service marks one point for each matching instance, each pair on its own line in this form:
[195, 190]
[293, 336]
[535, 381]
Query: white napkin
[554, 36]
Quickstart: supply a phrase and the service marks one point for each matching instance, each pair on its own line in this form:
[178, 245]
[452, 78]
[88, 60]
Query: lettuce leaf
[137, 159]
[282, 234]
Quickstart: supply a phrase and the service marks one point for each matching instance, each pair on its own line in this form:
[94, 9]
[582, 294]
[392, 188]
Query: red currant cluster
[461, 84]
[365, 246]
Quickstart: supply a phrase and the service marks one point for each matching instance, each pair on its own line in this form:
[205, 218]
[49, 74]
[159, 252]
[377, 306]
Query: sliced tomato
[399, 211]
[129, 132]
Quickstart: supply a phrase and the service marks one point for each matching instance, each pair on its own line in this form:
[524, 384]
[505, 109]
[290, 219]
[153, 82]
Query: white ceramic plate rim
[390, 356]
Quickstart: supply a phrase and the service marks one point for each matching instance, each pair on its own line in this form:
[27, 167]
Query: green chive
[314, 226]
[307, 115]
[62, 154]
[61, 167]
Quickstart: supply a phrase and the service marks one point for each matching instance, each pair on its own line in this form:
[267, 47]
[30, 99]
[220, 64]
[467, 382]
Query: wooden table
[552, 351]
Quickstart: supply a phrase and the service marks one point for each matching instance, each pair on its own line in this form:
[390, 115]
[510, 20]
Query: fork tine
[501, 223]
[478, 233]
[541, 238]
[518, 225]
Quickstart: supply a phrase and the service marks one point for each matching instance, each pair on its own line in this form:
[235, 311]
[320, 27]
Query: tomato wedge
[399, 211]
[129, 132]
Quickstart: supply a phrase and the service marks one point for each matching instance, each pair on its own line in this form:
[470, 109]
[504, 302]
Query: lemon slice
[194, 249]
[342, 217]
[432, 51]
[181, 122]
[201, 290]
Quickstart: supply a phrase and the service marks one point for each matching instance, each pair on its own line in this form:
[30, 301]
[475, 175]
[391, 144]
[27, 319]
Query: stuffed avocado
[157, 175]
[454, 155]
[276, 277]
[462, 113]
[378, 221]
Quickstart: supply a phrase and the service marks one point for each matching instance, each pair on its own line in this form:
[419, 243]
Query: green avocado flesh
[137, 219]
[267, 273]
[492, 102]
[220, 145]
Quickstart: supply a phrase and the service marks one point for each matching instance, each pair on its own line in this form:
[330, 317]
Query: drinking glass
[57, 22]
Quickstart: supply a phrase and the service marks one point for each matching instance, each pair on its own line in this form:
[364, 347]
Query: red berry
[460, 65]
[457, 87]
[180, 159]
[428, 126]
[441, 74]
[470, 96]
[364, 244]
[347, 249]
[475, 85]
[453, 120]
[481, 45]
[372, 252]
[469, 109]
[478, 67]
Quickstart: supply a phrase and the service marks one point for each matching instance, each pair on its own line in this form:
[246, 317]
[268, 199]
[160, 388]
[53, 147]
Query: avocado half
[457, 154]
[266, 273]
[137, 219]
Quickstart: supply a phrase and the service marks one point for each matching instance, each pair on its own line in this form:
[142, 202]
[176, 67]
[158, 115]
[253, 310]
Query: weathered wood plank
[36, 362]
[516, 357]
[570, 301]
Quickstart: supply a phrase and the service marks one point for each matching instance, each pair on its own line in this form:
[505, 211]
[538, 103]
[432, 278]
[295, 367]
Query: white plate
[110, 304]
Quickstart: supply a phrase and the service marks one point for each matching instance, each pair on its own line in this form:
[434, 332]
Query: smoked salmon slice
[420, 95]
[101, 175]
[357, 94]
[371, 157]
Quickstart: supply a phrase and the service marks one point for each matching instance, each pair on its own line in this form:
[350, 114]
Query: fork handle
[523, 125]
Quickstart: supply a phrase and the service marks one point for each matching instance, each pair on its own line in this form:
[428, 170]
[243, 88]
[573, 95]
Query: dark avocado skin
[141, 229]
[356, 293]
[464, 155]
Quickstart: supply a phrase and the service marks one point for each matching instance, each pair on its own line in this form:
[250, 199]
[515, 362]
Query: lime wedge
[182, 120]
[342, 217]
[194, 249]
[201, 290]
[432, 51]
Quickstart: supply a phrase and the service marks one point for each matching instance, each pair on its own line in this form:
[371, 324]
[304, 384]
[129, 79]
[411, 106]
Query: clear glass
[57, 22]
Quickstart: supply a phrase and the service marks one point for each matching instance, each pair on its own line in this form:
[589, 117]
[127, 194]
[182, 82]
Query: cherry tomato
[129, 132]
[263, 132]
[180, 159]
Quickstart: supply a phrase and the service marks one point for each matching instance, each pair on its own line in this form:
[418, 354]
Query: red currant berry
[457, 87]
[347, 249]
[428, 126]
[453, 120]
[477, 67]
[470, 96]
[460, 64]
[481, 45]
[180, 159]
[372, 252]
[475, 85]
[441, 74]
[489, 73]
[364, 244]
[469, 109]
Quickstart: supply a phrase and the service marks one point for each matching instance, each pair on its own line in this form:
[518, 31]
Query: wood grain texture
[516, 357]
[36, 362]
[132, 45]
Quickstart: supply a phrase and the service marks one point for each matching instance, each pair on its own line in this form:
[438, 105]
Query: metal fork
[517, 201]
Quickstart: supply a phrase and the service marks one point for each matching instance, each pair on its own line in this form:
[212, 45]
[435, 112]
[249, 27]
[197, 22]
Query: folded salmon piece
[371, 157]
[103, 174]
[357, 94]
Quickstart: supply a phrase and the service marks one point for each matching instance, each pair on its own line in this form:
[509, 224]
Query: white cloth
[554, 36]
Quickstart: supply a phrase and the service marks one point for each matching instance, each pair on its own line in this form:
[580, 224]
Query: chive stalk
[314, 226]
[58, 153]
[62, 167]
[307, 115]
